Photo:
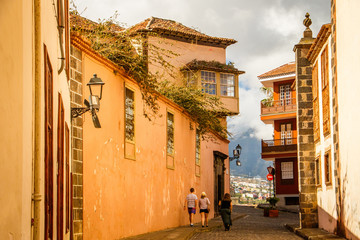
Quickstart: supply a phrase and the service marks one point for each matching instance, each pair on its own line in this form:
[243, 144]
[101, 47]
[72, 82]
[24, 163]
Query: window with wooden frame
[327, 168]
[129, 123]
[170, 135]
[197, 147]
[60, 172]
[190, 78]
[287, 172]
[317, 171]
[316, 119]
[325, 90]
[67, 172]
[285, 94]
[197, 153]
[208, 82]
[227, 85]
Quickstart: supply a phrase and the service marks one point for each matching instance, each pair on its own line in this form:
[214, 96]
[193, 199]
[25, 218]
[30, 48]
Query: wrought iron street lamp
[236, 153]
[93, 105]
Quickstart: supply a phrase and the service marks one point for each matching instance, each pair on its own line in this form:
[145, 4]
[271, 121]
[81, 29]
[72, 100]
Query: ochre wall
[16, 121]
[124, 197]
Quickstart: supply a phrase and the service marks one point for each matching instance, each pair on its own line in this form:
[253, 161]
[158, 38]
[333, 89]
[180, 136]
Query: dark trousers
[226, 217]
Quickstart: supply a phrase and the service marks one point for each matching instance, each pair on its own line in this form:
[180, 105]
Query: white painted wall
[326, 197]
[348, 74]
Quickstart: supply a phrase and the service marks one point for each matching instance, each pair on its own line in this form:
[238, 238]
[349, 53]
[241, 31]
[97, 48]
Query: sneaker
[202, 226]
[191, 225]
[207, 226]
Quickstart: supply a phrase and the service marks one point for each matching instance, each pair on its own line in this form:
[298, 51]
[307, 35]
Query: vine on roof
[133, 54]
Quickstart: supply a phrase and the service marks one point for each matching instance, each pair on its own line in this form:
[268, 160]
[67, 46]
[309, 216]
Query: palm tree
[269, 92]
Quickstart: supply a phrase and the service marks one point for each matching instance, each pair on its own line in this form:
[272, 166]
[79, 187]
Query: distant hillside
[251, 162]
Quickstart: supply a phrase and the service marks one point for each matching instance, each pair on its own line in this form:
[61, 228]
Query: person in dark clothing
[225, 211]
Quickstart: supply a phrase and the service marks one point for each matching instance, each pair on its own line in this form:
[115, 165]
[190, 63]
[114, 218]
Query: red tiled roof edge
[174, 28]
[283, 70]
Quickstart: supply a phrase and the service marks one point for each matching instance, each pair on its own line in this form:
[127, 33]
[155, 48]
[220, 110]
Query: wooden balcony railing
[279, 106]
[279, 145]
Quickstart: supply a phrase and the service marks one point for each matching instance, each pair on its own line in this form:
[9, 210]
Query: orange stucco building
[280, 111]
[136, 172]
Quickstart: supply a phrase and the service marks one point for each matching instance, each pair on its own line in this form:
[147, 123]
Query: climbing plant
[133, 53]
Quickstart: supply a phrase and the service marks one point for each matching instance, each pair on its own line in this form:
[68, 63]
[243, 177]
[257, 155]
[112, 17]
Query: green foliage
[269, 92]
[272, 201]
[133, 53]
[204, 109]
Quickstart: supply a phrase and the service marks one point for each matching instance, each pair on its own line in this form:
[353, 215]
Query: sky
[266, 31]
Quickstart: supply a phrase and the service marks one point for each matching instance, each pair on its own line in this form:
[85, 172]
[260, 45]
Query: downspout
[61, 31]
[37, 198]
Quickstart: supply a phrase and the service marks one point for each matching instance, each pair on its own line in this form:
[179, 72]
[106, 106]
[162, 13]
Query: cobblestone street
[254, 226]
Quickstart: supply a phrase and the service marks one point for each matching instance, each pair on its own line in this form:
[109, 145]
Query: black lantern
[96, 86]
[236, 153]
[93, 105]
[271, 170]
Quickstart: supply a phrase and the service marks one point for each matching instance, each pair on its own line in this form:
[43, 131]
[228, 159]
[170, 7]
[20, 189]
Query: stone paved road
[254, 226]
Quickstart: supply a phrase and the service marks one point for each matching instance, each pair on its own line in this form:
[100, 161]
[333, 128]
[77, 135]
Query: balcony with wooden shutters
[277, 148]
[278, 109]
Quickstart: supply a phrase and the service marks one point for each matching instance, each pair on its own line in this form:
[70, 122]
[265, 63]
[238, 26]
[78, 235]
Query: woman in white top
[204, 205]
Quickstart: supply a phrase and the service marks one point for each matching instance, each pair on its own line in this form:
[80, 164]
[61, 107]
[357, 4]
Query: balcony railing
[279, 106]
[279, 145]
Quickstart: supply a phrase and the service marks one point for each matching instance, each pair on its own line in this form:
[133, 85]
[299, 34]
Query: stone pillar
[306, 146]
[76, 100]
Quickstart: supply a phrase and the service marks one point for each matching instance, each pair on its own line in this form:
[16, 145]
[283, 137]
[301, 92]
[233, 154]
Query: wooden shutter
[48, 83]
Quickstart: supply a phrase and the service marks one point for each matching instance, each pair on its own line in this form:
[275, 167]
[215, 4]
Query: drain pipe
[61, 31]
[37, 198]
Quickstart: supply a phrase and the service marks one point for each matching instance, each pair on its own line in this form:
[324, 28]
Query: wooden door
[60, 173]
[48, 146]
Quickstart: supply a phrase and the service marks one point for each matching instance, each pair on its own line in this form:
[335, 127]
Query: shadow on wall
[351, 207]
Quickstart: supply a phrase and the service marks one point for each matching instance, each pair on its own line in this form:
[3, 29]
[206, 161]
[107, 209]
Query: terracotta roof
[211, 66]
[285, 69]
[76, 21]
[175, 29]
[319, 42]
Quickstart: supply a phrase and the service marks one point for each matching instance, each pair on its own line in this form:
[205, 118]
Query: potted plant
[271, 211]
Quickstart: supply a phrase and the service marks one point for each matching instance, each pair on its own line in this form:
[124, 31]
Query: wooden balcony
[279, 106]
[279, 145]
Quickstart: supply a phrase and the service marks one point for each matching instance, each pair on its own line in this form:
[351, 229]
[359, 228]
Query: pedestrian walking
[204, 205]
[190, 203]
[225, 211]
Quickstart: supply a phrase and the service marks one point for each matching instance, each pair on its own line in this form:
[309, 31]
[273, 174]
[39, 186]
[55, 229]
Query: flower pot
[273, 213]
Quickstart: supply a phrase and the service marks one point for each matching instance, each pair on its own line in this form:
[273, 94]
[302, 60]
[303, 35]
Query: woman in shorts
[204, 205]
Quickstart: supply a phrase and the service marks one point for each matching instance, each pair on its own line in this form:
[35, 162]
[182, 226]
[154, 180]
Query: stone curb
[312, 233]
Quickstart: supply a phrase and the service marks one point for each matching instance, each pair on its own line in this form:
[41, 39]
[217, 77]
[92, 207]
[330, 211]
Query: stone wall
[306, 147]
[77, 141]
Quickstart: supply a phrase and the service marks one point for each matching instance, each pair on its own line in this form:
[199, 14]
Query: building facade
[280, 111]
[136, 173]
[330, 199]
[35, 147]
